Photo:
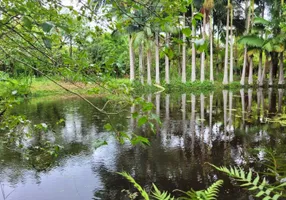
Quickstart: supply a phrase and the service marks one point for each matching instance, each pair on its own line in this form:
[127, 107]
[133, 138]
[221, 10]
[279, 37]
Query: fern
[157, 194]
[262, 188]
[210, 193]
[136, 185]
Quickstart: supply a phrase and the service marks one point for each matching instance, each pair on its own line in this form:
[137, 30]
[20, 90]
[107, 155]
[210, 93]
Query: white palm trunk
[149, 63]
[260, 76]
[157, 57]
[225, 74]
[193, 78]
[203, 53]
[281, 73]
[141, 71]
[131, 57]
[211, 51]
[231, 48]
[167, 62]
[242, 80]
[250, 76]
[184, 53]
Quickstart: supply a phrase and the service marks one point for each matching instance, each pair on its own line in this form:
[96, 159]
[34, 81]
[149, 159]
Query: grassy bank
[42, 87]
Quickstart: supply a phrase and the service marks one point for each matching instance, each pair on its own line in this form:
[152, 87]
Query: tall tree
[184, 51]
[157, 57]
[225, 73]
[193, 78]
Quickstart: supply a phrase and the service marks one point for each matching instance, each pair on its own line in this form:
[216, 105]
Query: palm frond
[255, 184]
[136, 185]
[251, 40]
[261, 21]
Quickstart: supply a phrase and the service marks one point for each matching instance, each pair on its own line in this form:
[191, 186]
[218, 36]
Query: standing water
[221, 128]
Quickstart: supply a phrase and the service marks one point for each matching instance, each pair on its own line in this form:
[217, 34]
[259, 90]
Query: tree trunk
[157, 58]
[141, 56]
[131, 57]
[203, 53]
[281, 66]
[184, 53]
[225, 74]
[260, 76]
[167, 62]
[149, 63]
[250, 75]
[270, 82]
[193, 49]
[211, 50]
[242, 81]
[231, 48]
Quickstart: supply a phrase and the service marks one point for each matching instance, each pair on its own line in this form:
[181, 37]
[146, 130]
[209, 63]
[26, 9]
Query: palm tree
[131, 58]
[167, 61]
[231, 46]
[157, 57]
[184, 51]
[193, 78]
[203, 52]
[242, 81]
[225, 74]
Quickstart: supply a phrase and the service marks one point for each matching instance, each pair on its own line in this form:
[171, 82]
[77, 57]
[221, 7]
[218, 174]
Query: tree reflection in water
[219, 128]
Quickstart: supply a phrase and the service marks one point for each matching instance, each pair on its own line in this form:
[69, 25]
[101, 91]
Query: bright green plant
[253, 182]
[210, 193]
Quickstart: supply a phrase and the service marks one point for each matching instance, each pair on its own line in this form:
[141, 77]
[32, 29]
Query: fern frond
[213, 190]
[157, 194]
[210, 193]
[262, 188]
[136, 185]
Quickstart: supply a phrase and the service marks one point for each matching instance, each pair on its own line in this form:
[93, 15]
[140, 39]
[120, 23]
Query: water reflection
[219, 128]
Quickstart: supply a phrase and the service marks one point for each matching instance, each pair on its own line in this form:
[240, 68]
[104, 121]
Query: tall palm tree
[193, 78]
[157, 57]
[184, 51]
[225, 73]
[231, 46]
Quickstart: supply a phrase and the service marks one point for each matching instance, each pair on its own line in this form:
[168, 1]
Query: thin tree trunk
[203, 54]
[231, 47]
[131, 57]
[211, 50]
[193, 49]
[184, 53]
[167, 62]
[281, 73]
[270, 81]
[157, 58]
[250, 75]
[260, 76]
[225, 74]
[141, 56]
[149, 63]
[242, 81]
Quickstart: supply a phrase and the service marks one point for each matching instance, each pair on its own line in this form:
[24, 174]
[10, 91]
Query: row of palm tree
[262, 38]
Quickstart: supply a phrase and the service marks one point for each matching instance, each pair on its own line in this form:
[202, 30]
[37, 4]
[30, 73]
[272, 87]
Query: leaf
[99, 143]
[187, 31]
[47, 26]
[108, 127]
[27, 22]
[251, 40]
[47, 43]
[142, 120]
[139, 139]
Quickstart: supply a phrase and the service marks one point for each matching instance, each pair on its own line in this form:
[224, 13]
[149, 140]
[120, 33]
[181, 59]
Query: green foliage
[210, 193]
[253, 182]
[136, 185]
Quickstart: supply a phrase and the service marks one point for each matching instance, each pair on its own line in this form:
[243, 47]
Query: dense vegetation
[182, 44]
